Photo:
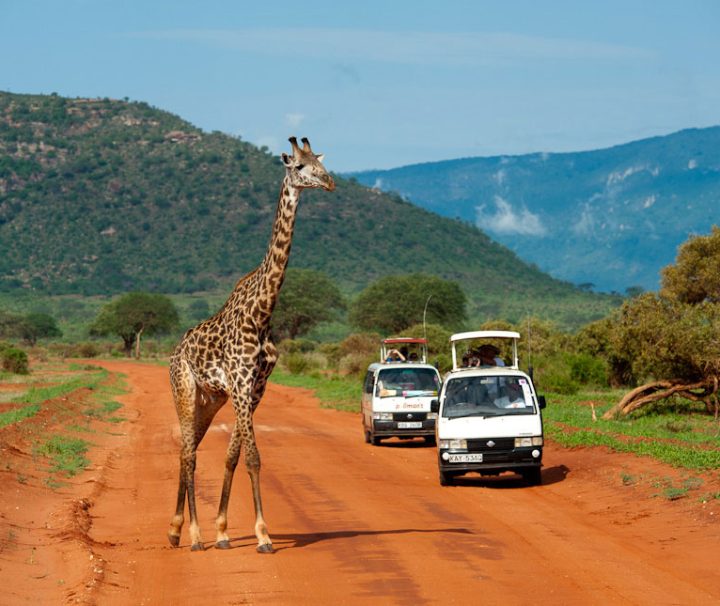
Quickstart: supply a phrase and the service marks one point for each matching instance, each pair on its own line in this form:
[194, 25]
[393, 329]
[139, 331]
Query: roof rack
[485, 334]
[414, 344]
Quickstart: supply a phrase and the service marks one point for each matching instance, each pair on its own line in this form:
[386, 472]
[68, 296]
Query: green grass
[67, 454]
[679, 434]
[19, 414]
[341, 393]
[37, 395]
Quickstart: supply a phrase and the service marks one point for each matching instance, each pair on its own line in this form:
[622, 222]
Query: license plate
[410, 425]
[466, 458]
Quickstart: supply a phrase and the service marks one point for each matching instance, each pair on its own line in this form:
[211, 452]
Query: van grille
[500, 444]
[409, 416]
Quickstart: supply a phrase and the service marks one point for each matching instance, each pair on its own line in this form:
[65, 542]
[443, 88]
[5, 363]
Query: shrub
[296, 363]
[296, 345]
[360, 343]
[558, 383]
[587, 369]
[14, 360]
[355, 364]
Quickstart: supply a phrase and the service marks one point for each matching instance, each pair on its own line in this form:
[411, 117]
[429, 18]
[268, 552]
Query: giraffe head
[305, 169]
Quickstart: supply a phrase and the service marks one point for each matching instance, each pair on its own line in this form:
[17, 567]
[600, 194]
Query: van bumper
[386, 429]
[492, 462]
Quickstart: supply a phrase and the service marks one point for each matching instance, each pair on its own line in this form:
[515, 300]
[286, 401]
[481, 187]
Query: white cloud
[293, 120]
[506, 220]
[404, 47]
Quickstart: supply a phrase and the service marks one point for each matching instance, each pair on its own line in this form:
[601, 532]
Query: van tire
[367, 435]
[446, 479]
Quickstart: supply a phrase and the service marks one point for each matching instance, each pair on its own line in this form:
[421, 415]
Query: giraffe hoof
[265, 548]
[174, 539]
[197, 547]
[222, 544]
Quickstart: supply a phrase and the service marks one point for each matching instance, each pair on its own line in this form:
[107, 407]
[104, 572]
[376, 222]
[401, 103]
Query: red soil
[350, 522]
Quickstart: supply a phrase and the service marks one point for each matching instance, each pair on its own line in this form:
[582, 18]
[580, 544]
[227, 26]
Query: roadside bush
[14, 360]
[443, 362]
[587, 370]
[296, 363]
[362, 342]
[558, 383]
[552, 373]
[303, 363]
[296, 346]
[355, 364]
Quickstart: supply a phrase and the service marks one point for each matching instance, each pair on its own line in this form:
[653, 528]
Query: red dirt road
[351, 523]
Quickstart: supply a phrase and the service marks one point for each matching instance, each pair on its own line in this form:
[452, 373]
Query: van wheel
[446, 479]
[532, 476]
[367, 436]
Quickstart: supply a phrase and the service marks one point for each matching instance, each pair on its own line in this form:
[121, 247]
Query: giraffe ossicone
[231, 356]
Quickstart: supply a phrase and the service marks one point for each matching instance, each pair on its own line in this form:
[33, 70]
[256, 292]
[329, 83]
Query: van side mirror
[434, 406]
[541, 401]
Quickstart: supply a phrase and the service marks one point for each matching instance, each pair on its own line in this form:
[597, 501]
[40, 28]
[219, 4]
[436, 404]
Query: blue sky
[380, 84]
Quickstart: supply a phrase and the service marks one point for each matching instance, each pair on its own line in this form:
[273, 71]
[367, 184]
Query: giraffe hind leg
[195, 413]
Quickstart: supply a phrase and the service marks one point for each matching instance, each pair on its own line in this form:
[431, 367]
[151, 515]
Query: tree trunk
[660, 390]
[137, 344]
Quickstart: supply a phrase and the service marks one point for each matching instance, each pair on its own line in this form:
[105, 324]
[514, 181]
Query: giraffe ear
[320, 157]
[285, 159]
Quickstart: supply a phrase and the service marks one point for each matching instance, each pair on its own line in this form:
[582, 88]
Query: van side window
[368, 385]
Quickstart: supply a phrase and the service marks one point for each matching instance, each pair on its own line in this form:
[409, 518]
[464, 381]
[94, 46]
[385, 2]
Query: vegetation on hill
[102, 197]
[610, 218]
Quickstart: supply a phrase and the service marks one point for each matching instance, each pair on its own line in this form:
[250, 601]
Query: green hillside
[102, 196]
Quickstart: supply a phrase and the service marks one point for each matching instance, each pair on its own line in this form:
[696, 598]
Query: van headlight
[453, 444]
[432, 415]
[383, 416]
[529, 441]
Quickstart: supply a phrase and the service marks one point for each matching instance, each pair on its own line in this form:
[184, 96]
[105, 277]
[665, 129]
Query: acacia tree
[393, 303]
[34, 326]
[671, 337]
[133, 315]
[307, 298]
[29, 327]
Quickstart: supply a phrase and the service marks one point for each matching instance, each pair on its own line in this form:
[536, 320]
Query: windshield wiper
[479, 415]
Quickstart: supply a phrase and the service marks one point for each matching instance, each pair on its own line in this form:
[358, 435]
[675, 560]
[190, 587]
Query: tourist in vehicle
[489, 355]
[395, 356]
[511, 396]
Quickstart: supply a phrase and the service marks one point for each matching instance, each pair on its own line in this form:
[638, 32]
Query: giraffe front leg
[261, 531]
[178, 519]
[222, 541]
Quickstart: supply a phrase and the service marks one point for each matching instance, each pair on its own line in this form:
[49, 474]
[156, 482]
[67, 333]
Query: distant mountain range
[100, 196]
[608, 219]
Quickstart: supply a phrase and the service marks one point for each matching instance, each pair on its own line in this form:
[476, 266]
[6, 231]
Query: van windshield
[408, 382]
[487, 396]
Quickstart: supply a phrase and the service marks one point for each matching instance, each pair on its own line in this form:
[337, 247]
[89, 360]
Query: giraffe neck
[271, 271]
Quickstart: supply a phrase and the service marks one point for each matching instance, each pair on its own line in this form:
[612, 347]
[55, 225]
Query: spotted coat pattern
[231, 355]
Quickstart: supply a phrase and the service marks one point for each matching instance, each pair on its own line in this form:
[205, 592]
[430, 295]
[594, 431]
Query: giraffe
[231, 355]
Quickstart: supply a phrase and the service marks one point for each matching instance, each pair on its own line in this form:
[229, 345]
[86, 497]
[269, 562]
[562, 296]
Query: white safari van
[489, 416]
[397, 392]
